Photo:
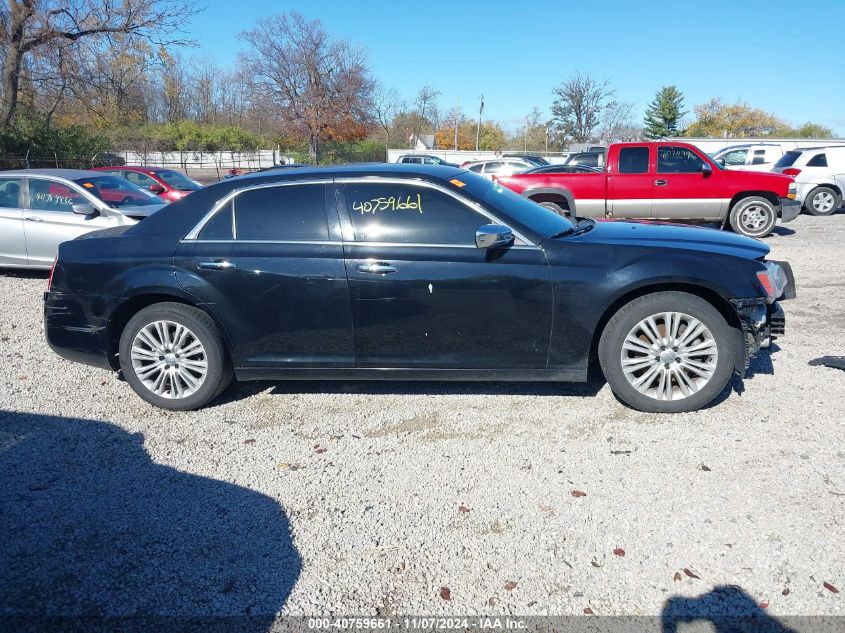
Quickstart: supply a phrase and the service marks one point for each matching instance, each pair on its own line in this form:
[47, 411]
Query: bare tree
[616, 122]
[425, 106]
[387, 103]
[29, 25]
[321, 87]
[578, 105]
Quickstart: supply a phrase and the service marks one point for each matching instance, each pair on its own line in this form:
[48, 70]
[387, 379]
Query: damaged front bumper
[762, 323]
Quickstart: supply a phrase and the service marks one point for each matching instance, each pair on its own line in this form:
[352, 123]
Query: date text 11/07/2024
[419, 624]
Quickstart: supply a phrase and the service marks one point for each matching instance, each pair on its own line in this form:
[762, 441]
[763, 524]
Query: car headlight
[772, 281]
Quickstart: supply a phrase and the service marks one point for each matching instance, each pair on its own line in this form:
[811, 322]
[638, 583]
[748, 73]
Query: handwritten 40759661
[389, 203]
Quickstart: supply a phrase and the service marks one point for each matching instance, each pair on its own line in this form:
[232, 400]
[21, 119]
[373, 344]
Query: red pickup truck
[665, 181]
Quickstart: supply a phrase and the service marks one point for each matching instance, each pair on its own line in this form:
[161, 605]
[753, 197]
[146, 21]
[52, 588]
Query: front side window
[142, 180]
[178, 180]
[410, 214]
[48, 195]
[492, 167]
[117, 192]
[736, 157]
[282, 213]
[10, 193]
[677, 160]
[633, 160]
[819, 160]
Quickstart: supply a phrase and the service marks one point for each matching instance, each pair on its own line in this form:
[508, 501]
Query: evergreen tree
[664, 113]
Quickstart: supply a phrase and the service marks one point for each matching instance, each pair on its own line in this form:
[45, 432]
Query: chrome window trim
[199, 226]
[431, 185]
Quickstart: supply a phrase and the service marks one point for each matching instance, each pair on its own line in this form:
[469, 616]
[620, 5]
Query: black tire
[219, 366]
[753, 217]
[816, 203]
[727, 340]
[554, 206]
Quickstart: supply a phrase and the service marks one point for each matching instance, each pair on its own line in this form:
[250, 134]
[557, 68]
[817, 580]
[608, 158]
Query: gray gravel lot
[314, 498]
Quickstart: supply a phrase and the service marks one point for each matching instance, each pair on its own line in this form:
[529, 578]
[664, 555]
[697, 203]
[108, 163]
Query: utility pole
[525, 137]
[478, 128]
[457, 121]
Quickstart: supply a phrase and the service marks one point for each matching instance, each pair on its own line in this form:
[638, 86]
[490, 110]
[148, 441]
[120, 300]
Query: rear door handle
[377, 268]
[221, 265]
[33, 218]
[661, 183]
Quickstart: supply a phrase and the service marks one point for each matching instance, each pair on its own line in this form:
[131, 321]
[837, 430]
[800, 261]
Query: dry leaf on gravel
[764, 604]
[691, 574]
[588, 611]
[594, 563]
[578, 493]
[445, 594]
[677, 577]
[463, 508]
[785, 591]
[510, 586]
[619, 551]
[830, 587]
[249, 441]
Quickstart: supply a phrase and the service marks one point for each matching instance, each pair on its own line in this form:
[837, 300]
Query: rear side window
[410, 214]
[291, 212]
[633, 160]
[219, 227]
[10, 193]
[476, 168]
[787, 159]
[493, 166]
[46, 195]
[736, 157]
[819, 160]
[759, 157]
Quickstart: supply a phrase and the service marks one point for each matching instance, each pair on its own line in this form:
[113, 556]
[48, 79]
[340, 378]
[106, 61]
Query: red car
[167, 184]
[665, 181]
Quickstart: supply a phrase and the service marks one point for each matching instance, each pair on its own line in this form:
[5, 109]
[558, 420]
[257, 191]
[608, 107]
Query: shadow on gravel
[727, 607]
[97, 536]
[783, 231]
[24, 273]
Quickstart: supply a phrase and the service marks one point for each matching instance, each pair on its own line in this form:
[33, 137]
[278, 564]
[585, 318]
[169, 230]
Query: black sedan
[408, 272]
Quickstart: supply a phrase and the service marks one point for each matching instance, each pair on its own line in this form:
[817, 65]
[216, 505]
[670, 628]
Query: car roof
[139, 168]
[69, 174]
[355, 169]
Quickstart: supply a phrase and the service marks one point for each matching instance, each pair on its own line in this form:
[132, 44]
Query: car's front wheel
[172, 356]
[753, 217]
[668, 352]
[823, 201]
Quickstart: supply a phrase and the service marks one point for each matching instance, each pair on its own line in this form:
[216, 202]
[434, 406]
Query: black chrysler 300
[398, 272]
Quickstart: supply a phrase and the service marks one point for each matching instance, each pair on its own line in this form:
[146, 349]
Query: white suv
[759, 157]
[820, 175]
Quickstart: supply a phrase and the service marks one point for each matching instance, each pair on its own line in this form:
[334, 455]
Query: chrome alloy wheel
[169, 359]
[669, 356]
[823, 201]
[754, 217]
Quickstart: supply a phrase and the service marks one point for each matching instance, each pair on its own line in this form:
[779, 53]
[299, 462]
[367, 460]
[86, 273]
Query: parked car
[757, 157]
[108, 159]
[666, 181]
[538, 161]
[564, 169]
[406, 272]
[497, 167]
[39, 208]
[424, 159]
[167, 184]
[589, 159]
[819, 174]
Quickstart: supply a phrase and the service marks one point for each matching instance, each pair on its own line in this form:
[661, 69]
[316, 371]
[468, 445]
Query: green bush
[31, 132]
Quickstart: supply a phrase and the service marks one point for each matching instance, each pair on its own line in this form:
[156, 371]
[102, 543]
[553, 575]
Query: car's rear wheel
[172, 356]
[753, 216]
[823, 201]
[668, 352]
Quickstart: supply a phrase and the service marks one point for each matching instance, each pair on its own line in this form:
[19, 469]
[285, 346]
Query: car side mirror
[721, 161]
[706, 168]
[85, 209]
[156, 189]
[493, 236]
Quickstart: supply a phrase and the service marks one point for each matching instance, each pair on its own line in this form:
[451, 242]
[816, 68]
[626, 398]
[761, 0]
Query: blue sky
[784, 57]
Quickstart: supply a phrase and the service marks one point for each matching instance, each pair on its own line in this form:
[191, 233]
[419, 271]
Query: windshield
[539, 219]
[118, 192]
[178, 180]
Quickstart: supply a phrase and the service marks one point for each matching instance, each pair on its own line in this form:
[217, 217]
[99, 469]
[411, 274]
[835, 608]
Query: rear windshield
[177, 180]
[788, 159]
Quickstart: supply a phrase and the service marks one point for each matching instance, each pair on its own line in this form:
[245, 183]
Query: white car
[757, 157]
[820, 175]
[498, 167]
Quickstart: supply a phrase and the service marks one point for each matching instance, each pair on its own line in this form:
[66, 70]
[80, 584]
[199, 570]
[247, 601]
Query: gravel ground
[398, 498]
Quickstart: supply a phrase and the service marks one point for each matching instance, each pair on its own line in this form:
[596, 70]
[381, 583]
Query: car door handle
[377, 268]
[661, 183]
[33, 218]
[221, 265]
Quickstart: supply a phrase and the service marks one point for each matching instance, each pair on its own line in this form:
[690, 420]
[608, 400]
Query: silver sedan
[41, 208]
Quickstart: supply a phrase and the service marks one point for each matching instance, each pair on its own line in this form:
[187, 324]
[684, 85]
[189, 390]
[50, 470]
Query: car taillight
[52, 270]
[791, 171]
[792, 191]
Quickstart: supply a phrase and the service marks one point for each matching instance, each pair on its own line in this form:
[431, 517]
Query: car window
[117, 192]
[410, 214]
[633, 160]
[759, 157]
[429, 161]
[219, 227]
[476, 168]
[142, 180]
[178, 180]
[819, 160]
[10, 193]
[292, 212]
[788, 159]
[492, 166]
[677, 160]
[735, 157]
[48, 195]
